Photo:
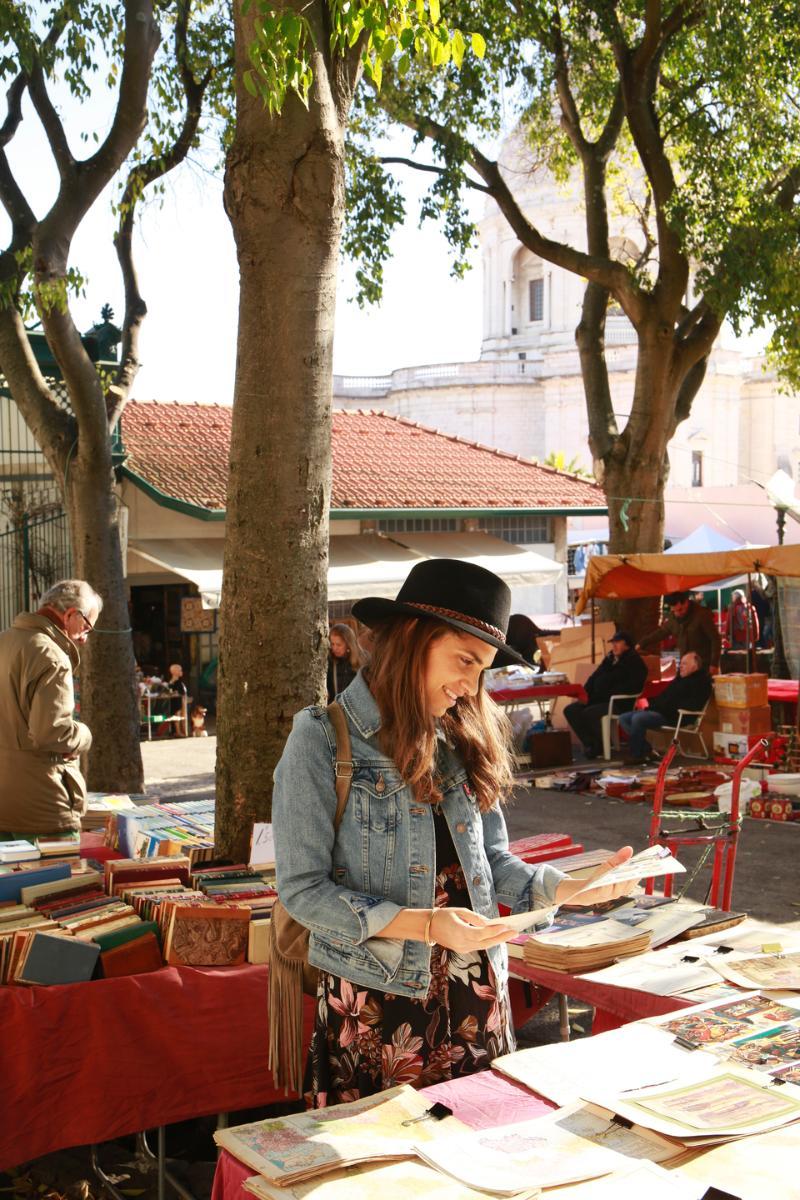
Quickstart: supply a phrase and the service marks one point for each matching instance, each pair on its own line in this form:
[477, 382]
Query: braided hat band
[484, 626]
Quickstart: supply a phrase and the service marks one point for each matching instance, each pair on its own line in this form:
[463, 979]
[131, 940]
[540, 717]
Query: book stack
[50, 958]
[586, 947]
[165, 829]
[19, 850]
[101, 806]
[247, 887]
[60, 845]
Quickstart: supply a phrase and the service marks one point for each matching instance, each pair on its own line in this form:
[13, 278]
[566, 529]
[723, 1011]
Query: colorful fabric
[366, 1040]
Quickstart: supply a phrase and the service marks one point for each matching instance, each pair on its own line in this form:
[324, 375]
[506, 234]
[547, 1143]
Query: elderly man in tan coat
[41, 787]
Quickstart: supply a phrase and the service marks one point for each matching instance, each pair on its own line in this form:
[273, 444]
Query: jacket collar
[38, 621]
[359, 704]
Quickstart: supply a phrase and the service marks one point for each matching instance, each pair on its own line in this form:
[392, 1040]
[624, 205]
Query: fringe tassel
[285, 1015]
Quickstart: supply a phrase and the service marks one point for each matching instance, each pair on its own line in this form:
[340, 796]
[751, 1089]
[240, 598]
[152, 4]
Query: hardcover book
[50, 958]
[206, 936]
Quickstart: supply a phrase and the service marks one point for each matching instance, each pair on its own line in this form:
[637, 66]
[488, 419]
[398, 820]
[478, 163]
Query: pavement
[766, 878]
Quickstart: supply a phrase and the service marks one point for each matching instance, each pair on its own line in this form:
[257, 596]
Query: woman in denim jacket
[413, 978]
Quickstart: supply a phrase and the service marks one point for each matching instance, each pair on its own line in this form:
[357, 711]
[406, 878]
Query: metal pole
[594, 651]
[748, 625]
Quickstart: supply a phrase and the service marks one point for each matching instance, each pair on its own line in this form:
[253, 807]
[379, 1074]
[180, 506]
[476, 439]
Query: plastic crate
[740, 691]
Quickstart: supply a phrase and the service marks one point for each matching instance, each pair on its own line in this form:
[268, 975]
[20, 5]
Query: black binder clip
[686, 1043]
[436, 1112]
[724, 949]
[691, 958]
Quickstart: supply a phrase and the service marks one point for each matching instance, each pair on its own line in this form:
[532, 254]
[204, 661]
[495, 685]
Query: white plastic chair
[689, 730]
[609, 724]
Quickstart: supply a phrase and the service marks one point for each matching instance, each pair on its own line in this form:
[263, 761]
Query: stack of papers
[585, 948]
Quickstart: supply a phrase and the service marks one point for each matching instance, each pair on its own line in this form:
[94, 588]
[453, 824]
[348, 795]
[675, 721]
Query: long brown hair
[349, 638]
[475, 726]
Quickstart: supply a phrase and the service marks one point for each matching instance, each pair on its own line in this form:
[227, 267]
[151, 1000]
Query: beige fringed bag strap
[290, 975]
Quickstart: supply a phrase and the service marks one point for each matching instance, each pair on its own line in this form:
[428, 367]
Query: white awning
[197, 559]
[365, 564]
[516, 565]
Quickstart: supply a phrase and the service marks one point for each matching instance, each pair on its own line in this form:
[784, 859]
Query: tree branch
[14, 115]
[570, 117]
[54, 429]
[138, 180]
[51, 123]
[409, 162]
[604, 271]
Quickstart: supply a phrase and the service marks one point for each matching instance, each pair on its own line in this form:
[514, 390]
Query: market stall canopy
[630, 576]
[197, 559]
[362, 564]
[704, 540]
[518, 566]
[367, 564]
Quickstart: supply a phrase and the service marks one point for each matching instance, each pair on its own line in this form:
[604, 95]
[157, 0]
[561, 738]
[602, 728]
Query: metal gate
[35, 553]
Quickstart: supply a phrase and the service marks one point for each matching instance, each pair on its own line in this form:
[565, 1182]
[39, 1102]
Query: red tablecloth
[537, 692]
[783, 690]
[92, 1061]
[614, 1006]
[480, 1101]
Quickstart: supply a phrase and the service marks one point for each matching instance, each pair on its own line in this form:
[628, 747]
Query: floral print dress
[365, 1040]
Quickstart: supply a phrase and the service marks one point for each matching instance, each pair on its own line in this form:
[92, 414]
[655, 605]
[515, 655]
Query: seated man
[622, 672]
[690, 689]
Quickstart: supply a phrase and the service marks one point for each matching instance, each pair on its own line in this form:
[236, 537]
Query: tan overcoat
[42, 789]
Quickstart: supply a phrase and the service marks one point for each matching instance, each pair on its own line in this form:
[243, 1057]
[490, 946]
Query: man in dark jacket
[622, 672]
[690, 689]
[692, 625]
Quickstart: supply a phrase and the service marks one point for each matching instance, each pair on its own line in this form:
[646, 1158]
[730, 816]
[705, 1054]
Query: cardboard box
[745, 720]
[740, 691]
[734, 745]
[551, 749]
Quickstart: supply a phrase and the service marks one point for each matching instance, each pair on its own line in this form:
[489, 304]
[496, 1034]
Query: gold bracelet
[429, 941]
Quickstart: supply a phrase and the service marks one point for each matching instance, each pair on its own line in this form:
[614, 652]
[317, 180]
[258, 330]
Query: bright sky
[188, 276]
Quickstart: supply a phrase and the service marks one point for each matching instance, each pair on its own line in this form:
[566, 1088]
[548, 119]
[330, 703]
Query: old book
[19, 850]
[206, 936]
[64, 882]
[584, 948]
[118, 937]
[11, 885]
[53, 958]
[257, 942]
[136, 957]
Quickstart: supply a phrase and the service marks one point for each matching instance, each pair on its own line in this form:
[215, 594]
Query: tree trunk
[284, 194]
[109, 703]
[636, 473]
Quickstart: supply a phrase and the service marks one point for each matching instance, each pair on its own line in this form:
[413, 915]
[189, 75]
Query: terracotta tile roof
[379, 462]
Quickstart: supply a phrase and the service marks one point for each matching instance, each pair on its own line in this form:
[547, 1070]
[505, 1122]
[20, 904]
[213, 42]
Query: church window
[697, 468]
[536, 300]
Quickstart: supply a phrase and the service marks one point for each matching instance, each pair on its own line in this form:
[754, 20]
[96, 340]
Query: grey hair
[72, 593]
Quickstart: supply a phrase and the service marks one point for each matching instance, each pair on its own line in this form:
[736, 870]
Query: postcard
[721, 1105]
[647, 864]
[395, 1181]
[727, 1021]
[767, 1050]
[526, 920]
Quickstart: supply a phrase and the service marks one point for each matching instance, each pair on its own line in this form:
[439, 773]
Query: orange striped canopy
[631, 576]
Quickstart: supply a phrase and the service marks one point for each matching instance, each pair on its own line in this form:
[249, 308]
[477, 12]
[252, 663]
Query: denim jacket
[346, 887]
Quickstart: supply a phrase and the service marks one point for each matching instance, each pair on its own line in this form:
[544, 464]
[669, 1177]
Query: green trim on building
[181, 506]
[362, 514]
[385, 514]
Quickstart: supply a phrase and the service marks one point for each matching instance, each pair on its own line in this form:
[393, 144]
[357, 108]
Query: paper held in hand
[647, 864]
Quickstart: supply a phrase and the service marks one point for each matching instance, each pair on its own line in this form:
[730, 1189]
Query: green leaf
[435, 11]
[478, 45]
[458, 47]
[249, 83]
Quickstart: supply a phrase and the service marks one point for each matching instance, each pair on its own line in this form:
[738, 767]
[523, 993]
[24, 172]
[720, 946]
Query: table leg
[563, 1017]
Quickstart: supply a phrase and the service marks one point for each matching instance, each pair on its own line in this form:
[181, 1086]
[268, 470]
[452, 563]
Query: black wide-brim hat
[461, 594]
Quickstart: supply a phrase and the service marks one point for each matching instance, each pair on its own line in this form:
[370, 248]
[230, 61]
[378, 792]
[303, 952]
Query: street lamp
[780, 491]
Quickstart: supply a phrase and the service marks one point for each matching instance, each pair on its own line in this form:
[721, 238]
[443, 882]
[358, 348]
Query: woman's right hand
[462, 929]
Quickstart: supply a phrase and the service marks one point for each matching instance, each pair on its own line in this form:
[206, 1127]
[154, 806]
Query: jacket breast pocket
[377, 804]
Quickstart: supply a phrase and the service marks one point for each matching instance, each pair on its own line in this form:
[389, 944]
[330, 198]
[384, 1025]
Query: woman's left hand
[571, 891]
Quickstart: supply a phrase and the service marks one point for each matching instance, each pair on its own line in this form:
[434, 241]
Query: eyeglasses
[87, 624]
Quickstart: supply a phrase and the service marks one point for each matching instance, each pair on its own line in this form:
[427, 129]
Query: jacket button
[380, 785]
[477, 879]
[461, 827]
